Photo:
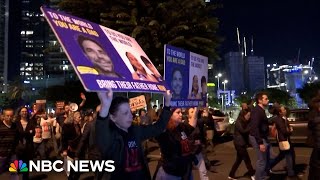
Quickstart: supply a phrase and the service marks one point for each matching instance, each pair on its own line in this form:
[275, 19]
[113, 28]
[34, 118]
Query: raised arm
[105, 102]
[193, 119]
[83, 97]
[158, 127]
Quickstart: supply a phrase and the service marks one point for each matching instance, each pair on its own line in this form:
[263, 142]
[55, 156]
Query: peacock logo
[18, 164]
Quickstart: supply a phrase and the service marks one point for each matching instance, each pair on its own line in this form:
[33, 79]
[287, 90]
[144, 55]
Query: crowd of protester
[114, 132]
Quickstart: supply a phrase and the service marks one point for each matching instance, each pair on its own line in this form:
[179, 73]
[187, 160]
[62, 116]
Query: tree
[243, 98]
[188, 24]
[70, 92]
[277, 95]
[18, 90]
[214, 102]
[308, 91]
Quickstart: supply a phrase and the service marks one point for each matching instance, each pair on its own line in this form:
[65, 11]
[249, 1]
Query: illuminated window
[29, 32]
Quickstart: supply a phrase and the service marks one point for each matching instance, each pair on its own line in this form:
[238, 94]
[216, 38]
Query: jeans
[162, 175]
[289, 160]
[202, 167]
[263, 158]
[314, 165]
[242, 154]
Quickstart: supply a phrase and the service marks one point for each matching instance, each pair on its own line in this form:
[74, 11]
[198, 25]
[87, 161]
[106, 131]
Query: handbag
[273, 131]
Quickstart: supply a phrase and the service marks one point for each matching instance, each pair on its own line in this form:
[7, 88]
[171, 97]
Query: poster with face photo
[104, 58]
[186, 74]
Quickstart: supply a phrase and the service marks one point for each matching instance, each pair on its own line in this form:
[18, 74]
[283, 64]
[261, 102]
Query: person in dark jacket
[283, 134]
[176, 149]
[120, 141]
[314, 127]
[259, 131]
[25, 133]
[196, 145]
[241, 142]
[8, 140]
[70, 138]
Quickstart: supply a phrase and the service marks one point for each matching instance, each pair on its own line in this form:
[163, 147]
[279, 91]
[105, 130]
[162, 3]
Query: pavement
[222, 158]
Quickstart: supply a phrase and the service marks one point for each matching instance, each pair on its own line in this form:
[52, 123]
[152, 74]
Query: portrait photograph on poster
[186, 74]
[102, 57]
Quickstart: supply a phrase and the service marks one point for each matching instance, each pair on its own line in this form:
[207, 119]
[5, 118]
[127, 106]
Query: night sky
[279, 28]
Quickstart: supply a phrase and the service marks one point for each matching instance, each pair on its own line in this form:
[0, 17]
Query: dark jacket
[314, 126]
[70, 138]
[110, 141]
[241, 133]
[84, 140]
[25, 147]
[282, 128]
[176, 151]
[87, 141]
[259, 126]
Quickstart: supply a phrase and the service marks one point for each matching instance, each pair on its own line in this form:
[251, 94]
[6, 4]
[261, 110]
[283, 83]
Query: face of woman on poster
[195, 84]
[134, 62]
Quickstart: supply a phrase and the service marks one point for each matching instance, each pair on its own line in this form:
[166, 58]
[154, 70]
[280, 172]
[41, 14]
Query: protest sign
[186, 74]
[104, 58]
[59, 106]
[41, 105]
[137, 102]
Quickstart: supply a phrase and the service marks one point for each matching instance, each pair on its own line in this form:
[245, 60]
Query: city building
[43, 62]
[254, 73]
[4, 19]
[290, 78]
[9, 42]
[234, 64]
[34, 39]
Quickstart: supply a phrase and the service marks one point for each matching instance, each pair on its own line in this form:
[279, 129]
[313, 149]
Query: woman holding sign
[120, 141]
[176, 150]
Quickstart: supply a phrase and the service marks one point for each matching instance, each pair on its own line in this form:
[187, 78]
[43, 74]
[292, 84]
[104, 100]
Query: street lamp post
[218, 77]
[224, 95]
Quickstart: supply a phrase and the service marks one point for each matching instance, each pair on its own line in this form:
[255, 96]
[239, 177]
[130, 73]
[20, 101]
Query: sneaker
[253, 177]
[270, 171]
[232, 178]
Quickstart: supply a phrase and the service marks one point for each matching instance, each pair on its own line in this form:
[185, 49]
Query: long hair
[171, 124]
[192, 89]
[242, 113]
[18, 115]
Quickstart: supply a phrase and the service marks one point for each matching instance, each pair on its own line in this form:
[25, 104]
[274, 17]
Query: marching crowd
[114, 132]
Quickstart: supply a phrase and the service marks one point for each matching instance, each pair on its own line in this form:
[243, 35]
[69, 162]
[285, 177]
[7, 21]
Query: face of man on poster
[176, 83]
[98, 56]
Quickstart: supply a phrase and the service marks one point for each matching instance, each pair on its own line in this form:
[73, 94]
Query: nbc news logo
[18, 165]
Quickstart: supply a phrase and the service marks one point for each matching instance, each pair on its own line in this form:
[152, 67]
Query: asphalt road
[221, 159]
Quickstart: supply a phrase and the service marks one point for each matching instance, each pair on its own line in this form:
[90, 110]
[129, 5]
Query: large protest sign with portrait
[186, 74]
[104, 58]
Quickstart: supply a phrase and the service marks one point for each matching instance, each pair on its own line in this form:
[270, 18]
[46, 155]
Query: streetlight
[218, 77]
[224, 94]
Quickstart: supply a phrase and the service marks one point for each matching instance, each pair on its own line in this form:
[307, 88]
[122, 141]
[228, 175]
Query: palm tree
[18, 90]
[188, 24]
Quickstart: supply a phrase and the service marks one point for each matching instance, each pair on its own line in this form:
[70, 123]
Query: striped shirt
[7, 139]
